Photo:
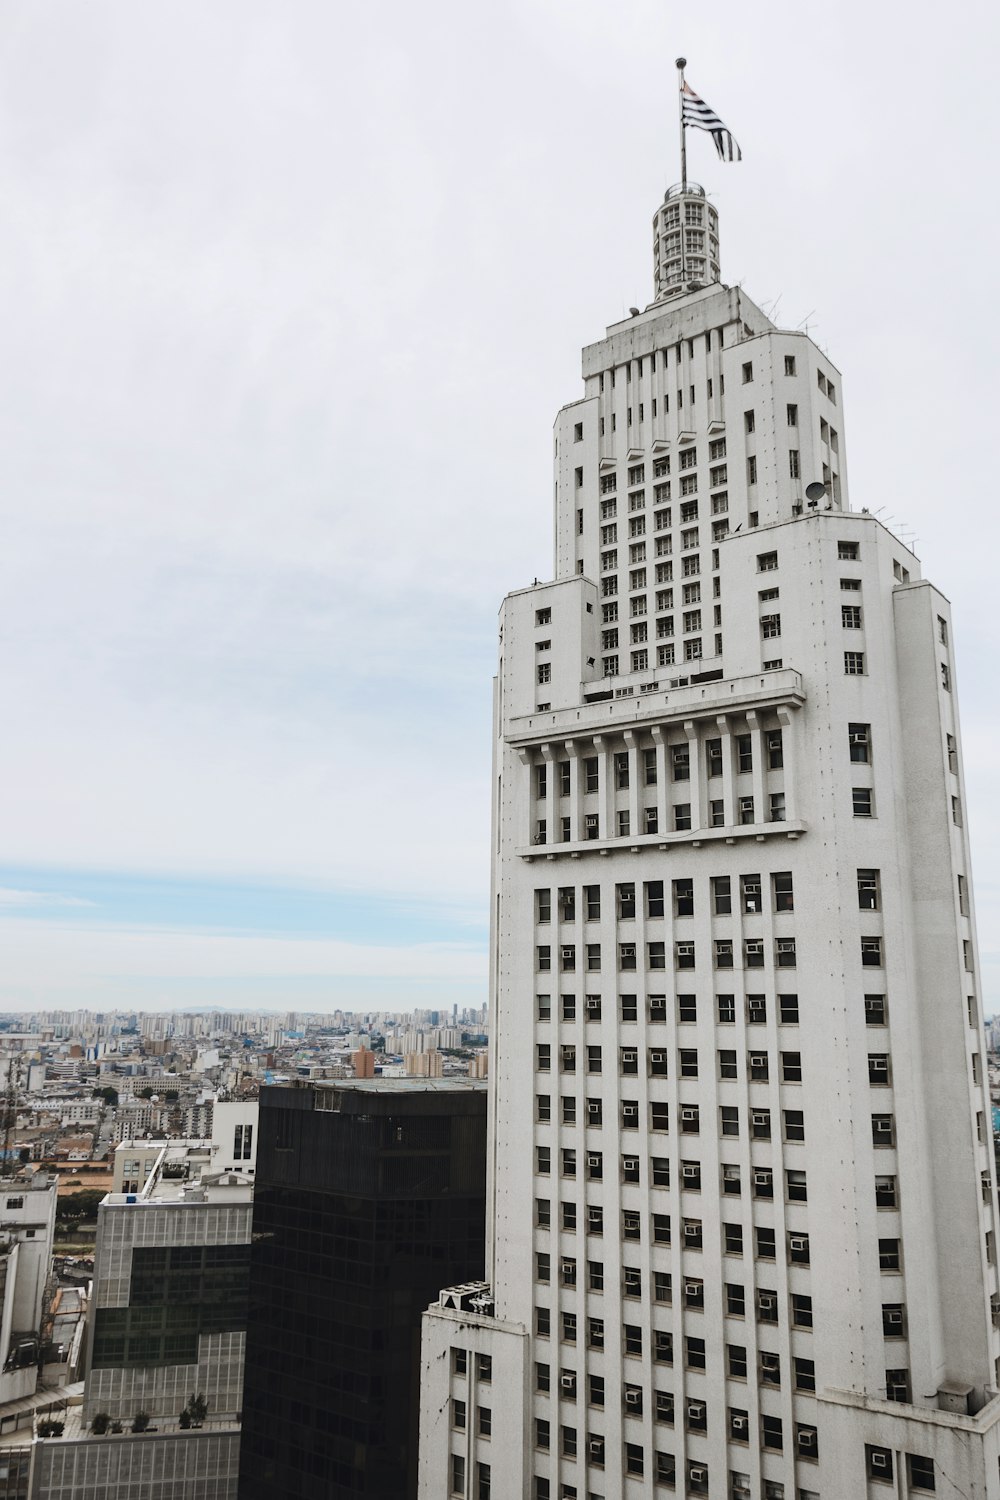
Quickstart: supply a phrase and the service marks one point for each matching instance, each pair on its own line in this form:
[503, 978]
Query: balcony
[643, 703]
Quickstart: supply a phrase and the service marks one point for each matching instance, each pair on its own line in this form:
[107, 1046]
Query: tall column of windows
[758, 764]
[575, 799]
[789, 755]
[634, 782]
[547, 759]
[694, 772]
[662, 785]
[606, 787]
[728, 793]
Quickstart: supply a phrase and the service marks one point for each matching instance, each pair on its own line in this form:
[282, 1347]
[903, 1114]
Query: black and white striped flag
[696, 112]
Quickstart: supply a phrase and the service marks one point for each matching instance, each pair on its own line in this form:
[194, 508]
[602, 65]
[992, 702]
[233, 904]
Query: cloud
[102, 965]
[38, 900]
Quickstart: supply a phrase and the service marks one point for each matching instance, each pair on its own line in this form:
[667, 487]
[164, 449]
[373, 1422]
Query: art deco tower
[742, 1237]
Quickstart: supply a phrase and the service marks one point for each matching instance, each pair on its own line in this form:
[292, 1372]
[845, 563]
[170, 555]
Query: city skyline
[261, 600]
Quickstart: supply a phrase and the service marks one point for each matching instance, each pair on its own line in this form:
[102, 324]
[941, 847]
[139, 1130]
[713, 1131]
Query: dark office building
[369, 1198]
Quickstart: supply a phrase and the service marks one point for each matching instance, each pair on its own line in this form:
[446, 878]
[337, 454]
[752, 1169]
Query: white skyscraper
[742, 1238]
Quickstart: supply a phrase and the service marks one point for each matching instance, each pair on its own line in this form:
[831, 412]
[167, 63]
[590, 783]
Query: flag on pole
[696, 112]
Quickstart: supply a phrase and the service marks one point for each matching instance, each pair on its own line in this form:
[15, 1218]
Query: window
[796, 1188]
[788, 1010]
[885, 1192]
[854, 663]
[752, 469]
[871, 952]
[717, 813]
[784, 953]
[802, 1310]
[791, 1067]
[770, 626]
[729, 1120]
[457, 1474]
[794, 1123]
[848, 551]
[920, 1472]
[682, 817]
[793, 463]
[868, 890]
[888, 1255]
[684, 955]
[654, 898]
[850, 616]
[861, 798]
[746, 810]
[781, 887]
[883, 1131]
[798, 1249]
[771, 1433]
[545, 672]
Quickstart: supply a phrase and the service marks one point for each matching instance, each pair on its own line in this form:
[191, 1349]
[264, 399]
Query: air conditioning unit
[569, 1267]
[763, 1177]
[692, 1289]
[630, 1111]
[568, 1382]
[798, 1242]
[697, 1474]
[596, 1447]
[594, 1159]
[767, 1302]
[760, 1117]
[593, 1004]
[692, 1231]
[691, 1171]
[569, 952]
[633, 1398]
[593, 1109]
[696, 1411]
[894, 1317]
[740, 1424]
[806, 1441]
[657, 1058]
[629, 1055]
[881, 1461]
[691, 1113]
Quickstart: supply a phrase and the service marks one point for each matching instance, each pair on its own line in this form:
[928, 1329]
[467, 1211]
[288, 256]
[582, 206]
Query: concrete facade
[742, 1200]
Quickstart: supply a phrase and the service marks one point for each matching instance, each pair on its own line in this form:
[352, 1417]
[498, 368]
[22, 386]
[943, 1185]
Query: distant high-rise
[742, 1213]
[369, 1194]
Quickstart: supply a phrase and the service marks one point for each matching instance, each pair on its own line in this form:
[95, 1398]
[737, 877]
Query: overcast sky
[289, 296]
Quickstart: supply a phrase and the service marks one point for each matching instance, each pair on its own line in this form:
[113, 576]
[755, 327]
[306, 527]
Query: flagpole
[681, 64]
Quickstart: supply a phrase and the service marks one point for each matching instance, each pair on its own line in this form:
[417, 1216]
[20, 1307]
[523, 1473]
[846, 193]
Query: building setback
[742, 1212]
[369, 1195]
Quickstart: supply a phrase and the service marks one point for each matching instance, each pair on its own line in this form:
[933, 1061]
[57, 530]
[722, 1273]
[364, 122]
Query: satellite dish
[815, 491]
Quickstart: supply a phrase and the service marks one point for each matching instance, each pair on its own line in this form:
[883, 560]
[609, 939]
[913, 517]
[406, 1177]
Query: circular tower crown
[685, 242]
